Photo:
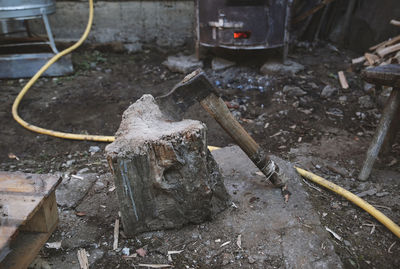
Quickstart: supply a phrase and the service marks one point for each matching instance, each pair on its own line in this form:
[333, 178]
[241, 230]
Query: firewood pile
[387, 52]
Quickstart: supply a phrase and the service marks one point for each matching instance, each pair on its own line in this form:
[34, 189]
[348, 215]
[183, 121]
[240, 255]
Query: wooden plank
[25, 248]
[18, 182]
[21, 197]
[20, 208]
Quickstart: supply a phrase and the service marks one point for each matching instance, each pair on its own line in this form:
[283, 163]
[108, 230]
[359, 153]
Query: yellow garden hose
[40, 130]
[352, 198]
[319, 180]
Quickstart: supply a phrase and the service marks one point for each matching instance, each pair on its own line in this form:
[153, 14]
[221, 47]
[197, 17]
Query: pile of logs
[387, 52]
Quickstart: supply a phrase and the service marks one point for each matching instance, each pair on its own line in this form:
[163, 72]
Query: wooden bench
[28, 216]
[385, 75]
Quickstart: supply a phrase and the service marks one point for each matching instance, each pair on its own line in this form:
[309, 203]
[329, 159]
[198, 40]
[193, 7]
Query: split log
[386, 43]
[371, 58]
[395, 22]
[164, 175]
[385, 51]
[358, 60]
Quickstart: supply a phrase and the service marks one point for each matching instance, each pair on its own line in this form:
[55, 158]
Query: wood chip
[155, 265]
[390, 248]
[239, 241]
[170, 252]
[116, 233]
[77, 177]
[338, 237]
[111, 189]
[82, 258]
[343, 80]
[55, 245]
[132, 256]
[13, 156]
[142, 252]
[80, 213]
[226, 243]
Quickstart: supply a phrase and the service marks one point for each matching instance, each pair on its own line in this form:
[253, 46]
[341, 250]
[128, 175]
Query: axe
[196, 87]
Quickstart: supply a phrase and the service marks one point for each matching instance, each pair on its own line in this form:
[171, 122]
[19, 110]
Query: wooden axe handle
[220, 112]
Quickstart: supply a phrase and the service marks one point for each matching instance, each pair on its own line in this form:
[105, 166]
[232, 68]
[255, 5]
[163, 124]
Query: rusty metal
[218, 20]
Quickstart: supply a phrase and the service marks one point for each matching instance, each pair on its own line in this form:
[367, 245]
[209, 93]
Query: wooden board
[27, 203]
[25, 247]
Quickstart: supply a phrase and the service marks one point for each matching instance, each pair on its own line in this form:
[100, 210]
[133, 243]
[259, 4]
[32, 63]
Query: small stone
[293, 91]
[83, 171]
[366, 102]
[381, 194]
[343, 99]
[275, 67]
[368, 87]
[183, 64]
[328, 91]
[70, 162]
[251, 260]
[94, 149]
[227, 258]
[125, 251]
[313, 85]
[220, 64]
[368, 192]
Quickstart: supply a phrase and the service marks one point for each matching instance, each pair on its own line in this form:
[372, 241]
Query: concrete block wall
[165, 23]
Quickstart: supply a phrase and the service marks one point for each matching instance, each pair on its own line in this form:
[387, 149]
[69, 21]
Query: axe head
[193, 88]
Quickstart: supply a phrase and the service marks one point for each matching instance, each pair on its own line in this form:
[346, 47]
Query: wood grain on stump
[165, 176]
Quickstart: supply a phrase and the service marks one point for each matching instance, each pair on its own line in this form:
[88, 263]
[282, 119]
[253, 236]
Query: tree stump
[164, 175]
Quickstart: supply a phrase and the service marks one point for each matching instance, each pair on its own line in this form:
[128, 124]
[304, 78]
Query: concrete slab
[259, 230]
[291, 232]
[73, 189]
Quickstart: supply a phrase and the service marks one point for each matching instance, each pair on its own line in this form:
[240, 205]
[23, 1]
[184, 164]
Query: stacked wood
[164, 174]
[387, 52]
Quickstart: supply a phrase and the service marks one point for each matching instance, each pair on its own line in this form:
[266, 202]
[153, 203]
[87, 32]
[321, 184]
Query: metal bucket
[25, 9]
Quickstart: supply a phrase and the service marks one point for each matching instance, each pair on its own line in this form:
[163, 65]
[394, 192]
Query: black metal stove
[242, 24]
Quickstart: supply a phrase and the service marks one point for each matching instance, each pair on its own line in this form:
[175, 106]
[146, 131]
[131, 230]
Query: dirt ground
[328, 136]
